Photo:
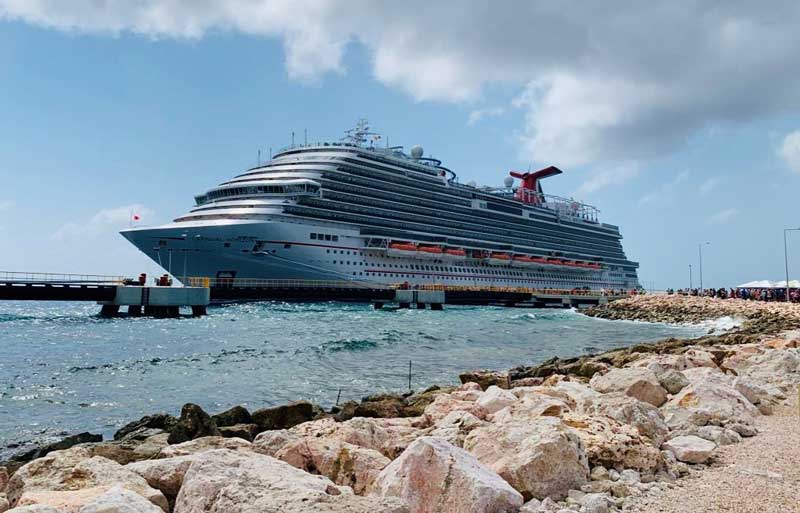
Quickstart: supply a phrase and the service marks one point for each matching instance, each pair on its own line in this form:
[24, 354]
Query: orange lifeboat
[429, 251]
[479, 255]
[538, 261]
[454, 254]
[521, 261]
[499, 258]
[401, 249]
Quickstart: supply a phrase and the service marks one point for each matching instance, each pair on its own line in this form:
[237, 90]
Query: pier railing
[35, 277]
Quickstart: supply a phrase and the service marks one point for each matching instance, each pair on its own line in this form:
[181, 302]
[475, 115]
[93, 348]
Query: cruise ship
[360, 210]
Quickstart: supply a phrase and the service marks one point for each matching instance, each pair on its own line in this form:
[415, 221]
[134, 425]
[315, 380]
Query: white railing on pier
[33, 277]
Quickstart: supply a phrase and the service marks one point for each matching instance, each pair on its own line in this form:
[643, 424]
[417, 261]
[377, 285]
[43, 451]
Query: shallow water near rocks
[64, 369]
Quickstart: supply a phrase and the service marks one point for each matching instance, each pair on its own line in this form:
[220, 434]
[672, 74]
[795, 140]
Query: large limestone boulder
[639, 383]
[495, 399]
[455, 427]
[36, 508]
[446, 403]
[646, 418]
[708, 401]
[387, 436]
[206, 443]
[690, 448]
[165, 474]
[538, 456]
[341, 462]
[778, 367]
[433, 476]
[612, 444]
[120, 500]
[71, 478]
[238, 482]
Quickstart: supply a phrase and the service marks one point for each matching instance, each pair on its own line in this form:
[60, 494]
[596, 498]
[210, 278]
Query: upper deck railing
[35, 277]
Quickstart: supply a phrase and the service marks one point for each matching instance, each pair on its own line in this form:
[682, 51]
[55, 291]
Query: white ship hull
[284, 250]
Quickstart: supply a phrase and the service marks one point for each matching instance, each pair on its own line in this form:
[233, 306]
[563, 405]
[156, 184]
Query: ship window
[287, 246]
[335, 237]
[227, 244]
[313, 236]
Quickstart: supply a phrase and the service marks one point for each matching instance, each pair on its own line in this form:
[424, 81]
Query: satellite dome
[509, 181]
[416, 151]
[472, 183]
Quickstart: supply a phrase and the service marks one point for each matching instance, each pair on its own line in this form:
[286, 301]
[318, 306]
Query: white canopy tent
[766, 284]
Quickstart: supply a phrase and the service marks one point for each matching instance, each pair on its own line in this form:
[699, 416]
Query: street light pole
[786, 257]
[700, 252]
[690, 278]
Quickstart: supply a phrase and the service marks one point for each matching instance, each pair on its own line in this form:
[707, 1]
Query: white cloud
[602, 82]
[790, 150]
[479, 114]
[666, 192]
[7, 205]
[707, 186]
[721, 217]
[609, 176]
[104, 222]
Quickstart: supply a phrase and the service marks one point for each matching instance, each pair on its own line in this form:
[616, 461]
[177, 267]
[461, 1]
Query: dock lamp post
[700, 253]
[786, 257]
[690, 278]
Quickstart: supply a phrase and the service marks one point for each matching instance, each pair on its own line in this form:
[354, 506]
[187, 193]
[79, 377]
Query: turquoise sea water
[64, 370]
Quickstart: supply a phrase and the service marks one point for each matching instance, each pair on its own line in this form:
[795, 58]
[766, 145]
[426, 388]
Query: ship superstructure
[359, 210]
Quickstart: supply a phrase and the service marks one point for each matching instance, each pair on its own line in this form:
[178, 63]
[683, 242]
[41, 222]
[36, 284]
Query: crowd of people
[755, 294]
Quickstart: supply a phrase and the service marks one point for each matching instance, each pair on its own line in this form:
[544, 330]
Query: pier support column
[436, 306]
[420, 306]
[404, 305]
[109, 310]
[135, 310]
[377, 305]
[199, 310]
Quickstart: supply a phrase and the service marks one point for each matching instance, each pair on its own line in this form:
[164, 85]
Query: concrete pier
[421, 298]
[156, 301]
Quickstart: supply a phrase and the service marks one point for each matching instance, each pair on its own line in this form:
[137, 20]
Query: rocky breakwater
[581, 435]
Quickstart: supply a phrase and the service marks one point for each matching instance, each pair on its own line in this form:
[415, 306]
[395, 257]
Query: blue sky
[107, 113]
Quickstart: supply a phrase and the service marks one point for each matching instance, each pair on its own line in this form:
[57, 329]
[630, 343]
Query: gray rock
[630, 476]
[599, 473]
[157, 421]
[284, 416]
[745, 430]
[690, 449]
[232, 416]
[673, 381]
[719, 435]
[596, 503]
[193, 423]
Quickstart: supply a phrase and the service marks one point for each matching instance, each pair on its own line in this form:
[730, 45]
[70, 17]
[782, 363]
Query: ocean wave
[722, 324]
[348, 344]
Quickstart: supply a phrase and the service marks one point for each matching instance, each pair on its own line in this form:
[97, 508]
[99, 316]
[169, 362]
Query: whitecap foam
[722, 324]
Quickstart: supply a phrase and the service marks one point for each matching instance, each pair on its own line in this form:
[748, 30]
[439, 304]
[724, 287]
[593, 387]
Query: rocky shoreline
[587, 434]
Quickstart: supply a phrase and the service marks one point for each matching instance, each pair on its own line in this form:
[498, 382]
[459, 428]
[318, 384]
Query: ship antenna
[292, 138]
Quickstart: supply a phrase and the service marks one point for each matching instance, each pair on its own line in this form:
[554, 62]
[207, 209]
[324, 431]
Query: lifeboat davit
[499, 259]
[429, 252]
[454, 254]
[401, 249]
[521, 261]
